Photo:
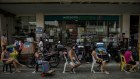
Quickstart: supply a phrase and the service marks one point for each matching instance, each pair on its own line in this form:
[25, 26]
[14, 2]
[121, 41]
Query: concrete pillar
[126, 25]
[39, 23]
[40, 20]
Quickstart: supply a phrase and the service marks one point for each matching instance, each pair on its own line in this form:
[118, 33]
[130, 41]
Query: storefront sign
[80, 17]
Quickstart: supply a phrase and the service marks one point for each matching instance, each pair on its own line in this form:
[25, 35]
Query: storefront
[74, 26]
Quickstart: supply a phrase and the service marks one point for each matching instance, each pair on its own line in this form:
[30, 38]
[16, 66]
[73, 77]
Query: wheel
[30, 63]
[54, 61]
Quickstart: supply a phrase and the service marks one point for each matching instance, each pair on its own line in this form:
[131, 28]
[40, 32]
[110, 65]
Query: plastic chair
[123, 63]
[93, 65]
[66, 63]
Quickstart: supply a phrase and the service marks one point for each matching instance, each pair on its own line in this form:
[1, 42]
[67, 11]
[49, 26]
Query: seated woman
[100, 61]
[129, 59]
[74, 61]
[5, 57]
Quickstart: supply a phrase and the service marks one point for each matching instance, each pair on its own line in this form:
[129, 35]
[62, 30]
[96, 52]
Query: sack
[45, 66]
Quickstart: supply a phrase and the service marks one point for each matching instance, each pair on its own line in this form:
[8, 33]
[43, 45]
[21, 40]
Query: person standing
[38, 59]
[45, 35]
[40, 44]
[32, 34]
[3, 40]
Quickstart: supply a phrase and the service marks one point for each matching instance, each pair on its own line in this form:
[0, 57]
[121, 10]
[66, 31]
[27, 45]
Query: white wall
[126, 25]
[40, 19]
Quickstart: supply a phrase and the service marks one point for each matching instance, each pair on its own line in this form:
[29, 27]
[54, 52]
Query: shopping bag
[45, 66]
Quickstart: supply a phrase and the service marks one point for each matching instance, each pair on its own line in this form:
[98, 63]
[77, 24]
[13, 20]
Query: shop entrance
[72, 28]
[134, 23]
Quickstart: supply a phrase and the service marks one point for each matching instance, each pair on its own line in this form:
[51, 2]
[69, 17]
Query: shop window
[26, 23]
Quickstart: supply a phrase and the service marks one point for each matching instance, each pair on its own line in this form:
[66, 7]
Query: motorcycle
[102, 51]
[59, 47]
[52, 58]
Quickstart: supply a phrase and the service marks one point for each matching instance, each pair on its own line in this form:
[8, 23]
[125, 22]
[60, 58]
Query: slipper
[106, 72]
[17, 71]
[51, 71]
[23, 65]
[131, 71]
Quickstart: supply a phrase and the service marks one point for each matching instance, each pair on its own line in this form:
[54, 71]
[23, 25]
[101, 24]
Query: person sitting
[74, 61]
[101, 62]
[5, 57]
[130, 60]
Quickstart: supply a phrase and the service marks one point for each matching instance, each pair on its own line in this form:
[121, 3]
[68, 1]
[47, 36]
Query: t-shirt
[3, 40]
[127, 56]
[40, 45]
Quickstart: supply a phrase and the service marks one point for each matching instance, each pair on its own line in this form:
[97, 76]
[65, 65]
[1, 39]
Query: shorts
[76, 62]
[39, 62]
[132, 62]
[4, 61]
[99, 61]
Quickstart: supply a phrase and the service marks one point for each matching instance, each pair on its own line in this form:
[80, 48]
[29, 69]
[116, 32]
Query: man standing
[32, 34]
[3, 40]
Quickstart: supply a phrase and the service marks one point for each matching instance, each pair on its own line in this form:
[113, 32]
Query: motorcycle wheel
[30, 63]
[54, 61]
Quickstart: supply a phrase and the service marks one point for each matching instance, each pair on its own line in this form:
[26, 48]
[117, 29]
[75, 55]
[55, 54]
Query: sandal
[17, 71]
[106, 72]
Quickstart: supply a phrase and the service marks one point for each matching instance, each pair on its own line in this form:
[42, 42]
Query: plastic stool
[5, 66]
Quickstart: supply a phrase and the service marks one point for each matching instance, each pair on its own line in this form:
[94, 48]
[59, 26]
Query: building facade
[98, 17]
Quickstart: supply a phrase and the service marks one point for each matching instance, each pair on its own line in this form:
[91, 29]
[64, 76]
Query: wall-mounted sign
[39, 30]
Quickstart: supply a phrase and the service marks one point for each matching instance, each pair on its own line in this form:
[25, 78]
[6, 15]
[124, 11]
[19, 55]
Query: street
[83, 72]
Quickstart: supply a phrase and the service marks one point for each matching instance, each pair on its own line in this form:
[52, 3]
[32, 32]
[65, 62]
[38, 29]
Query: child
[38, 59]
[44, 64]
